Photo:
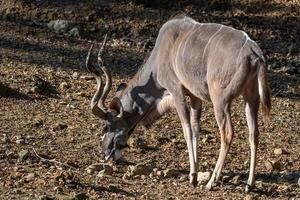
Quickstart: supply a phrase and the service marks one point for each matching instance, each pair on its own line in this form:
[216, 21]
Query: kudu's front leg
[184, 115]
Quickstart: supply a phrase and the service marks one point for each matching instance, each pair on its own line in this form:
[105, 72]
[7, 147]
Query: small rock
[203, 177]
[101, 174]
[64, 85]
[151, 175]
[60, 26]
[23, 154]
[140, 169]
[278, 151]
[269, 165]
[159, 173]
[108, 170]
[75, 75]
[87, 77]
[299, 182]
[74, 32]
[143, 177]
[236, 179]
[29, 176]
[204, 140]
[155, 170]
[249, 197]
[168, 173]
[94, 168]
[273, 165]
[82, 94]
[4, 139]
[20, 141]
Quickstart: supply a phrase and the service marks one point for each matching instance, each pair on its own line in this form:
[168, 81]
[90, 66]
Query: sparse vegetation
[45, 94]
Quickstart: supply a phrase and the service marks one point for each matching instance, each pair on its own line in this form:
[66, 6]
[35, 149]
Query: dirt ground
[45, 93]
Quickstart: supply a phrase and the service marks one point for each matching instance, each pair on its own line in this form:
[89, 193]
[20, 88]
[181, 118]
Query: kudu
[205, 61]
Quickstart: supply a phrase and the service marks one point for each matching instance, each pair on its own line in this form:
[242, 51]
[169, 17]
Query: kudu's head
[116, 129]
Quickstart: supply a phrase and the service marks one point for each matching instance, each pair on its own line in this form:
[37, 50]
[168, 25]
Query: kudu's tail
[264, 91]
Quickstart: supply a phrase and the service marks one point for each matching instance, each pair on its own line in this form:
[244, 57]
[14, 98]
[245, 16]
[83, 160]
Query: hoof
[193, 180]
[210, 186]
[248, 188]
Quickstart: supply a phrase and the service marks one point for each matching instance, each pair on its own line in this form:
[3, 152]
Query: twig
[52, 160]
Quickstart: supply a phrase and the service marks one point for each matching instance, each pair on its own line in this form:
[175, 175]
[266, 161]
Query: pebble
[269, 165]
[140, 169]
[4, 140]
[74, 32]
[87, 77]
[278, 151]
[169, 173]
[23, 154]
[203, 177]
[29, 176]
[159, 173]
[64, 85]
[75, 75]
[236, 179]
[299, 182]
[108, 170]
[20, 141]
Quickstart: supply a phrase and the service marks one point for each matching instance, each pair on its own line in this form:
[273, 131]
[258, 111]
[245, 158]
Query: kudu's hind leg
[196, 105]
[222, 114]
[184, 115]
[251, 109]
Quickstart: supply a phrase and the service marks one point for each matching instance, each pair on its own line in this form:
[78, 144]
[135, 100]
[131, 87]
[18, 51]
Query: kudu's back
[207, 56]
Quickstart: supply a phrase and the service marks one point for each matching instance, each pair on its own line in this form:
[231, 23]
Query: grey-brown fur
[207, 62]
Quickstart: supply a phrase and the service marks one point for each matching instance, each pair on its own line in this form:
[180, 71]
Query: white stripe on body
[210, 40]
[247, 38]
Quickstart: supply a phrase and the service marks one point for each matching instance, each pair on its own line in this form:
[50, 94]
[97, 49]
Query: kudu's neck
[142, 92]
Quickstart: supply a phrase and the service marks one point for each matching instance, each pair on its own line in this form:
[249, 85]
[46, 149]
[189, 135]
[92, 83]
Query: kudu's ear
[120, 88]
[116, 105]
